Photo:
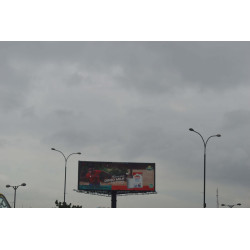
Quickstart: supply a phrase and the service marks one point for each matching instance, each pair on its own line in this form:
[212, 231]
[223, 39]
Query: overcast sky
[125, 101]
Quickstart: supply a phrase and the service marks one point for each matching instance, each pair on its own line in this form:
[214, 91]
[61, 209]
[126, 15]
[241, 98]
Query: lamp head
[239, 204]
[218, 135]
[79, 153]
[223, 205]
[53, 149]
[7, 186]
[23, 184]
[191, 129]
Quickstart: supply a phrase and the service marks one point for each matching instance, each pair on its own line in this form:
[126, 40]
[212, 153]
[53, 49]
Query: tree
[65, 205]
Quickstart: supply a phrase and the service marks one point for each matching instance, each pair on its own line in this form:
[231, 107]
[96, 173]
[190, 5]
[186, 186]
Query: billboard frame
[118, 192]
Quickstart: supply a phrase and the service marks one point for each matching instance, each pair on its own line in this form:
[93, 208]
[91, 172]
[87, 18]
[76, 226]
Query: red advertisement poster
[121, 176]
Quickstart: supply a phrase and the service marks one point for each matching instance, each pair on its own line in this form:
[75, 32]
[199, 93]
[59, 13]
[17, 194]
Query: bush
[65, 205]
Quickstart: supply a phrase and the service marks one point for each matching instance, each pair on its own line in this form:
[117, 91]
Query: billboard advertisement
[120, 176]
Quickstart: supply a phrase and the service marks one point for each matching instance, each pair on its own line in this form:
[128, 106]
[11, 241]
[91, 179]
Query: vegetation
[65, 205]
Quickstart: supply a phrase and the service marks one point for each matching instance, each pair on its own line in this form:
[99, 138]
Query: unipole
[113, 199]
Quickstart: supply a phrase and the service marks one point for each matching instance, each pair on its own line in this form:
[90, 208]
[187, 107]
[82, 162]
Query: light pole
[15, 188]
[205, 147]
[66, 159]
[231, 206]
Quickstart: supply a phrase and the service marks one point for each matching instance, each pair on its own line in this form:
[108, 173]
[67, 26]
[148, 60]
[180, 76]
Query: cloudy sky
[125, 101]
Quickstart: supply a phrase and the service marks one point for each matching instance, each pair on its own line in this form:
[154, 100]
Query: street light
[66, 159]
[15, 188]
[205, 147]
[231, 206]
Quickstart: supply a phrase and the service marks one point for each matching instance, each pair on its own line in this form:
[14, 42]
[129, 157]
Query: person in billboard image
[93, 177]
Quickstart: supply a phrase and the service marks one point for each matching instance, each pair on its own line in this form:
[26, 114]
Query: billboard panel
[120, 176]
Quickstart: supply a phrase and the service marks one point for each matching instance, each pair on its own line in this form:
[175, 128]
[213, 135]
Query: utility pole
[217, 195]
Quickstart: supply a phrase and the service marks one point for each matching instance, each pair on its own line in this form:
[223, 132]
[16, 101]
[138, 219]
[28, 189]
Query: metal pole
[15, 188]
[66, 159]
[65, 180]
[113, 199]
[204, 197]
[205, 147]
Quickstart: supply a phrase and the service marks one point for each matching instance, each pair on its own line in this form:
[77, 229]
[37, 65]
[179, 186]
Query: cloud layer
[125, 101]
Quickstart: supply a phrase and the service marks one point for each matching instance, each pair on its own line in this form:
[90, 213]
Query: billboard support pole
[113, 199]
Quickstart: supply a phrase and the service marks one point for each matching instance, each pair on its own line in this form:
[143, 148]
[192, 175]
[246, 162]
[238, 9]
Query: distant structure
[115, 178]
[217, 196]
[230, 206]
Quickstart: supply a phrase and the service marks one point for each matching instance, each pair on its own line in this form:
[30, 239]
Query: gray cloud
[126, 101]
[14, 87]
[237, 119]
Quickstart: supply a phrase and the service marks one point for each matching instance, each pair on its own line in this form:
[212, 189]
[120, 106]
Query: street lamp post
[66, 159]
[205, 148]
[231, 206]
[15, 188]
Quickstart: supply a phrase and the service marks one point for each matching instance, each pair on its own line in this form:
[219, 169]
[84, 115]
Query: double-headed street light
[205, 147]
[15, 188]
[231, 206]
[66, 159]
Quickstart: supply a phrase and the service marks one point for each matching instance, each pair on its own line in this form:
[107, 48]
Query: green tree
[65, 205]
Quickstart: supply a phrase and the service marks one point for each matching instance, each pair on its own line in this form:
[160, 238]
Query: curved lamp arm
[218, 135]
[72, 154]
[59, 152]
[191, 129]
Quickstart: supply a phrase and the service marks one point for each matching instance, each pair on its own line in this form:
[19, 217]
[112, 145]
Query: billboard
[119, 176]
